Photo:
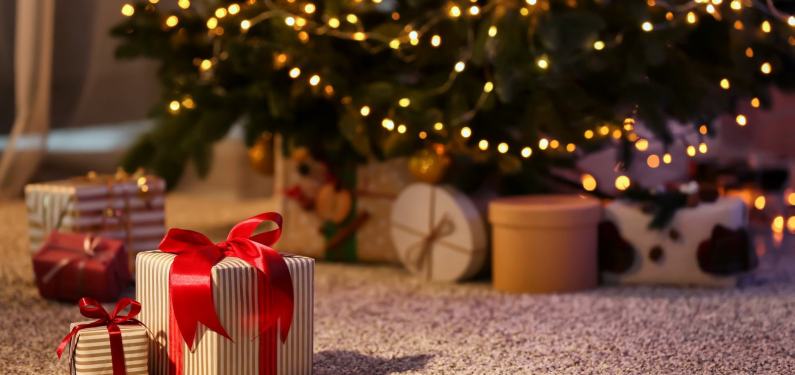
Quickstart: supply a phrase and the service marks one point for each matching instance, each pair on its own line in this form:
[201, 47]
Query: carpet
[373, 320]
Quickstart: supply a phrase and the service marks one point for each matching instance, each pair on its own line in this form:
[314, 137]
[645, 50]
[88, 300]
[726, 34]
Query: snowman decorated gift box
[676, 238]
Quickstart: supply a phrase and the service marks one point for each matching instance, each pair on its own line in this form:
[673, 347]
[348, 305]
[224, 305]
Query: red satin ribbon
[190, 285]
[90, 308]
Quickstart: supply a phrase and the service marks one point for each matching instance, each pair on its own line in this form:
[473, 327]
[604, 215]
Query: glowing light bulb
[749, 52]
[309, 8]
[394, 44]
[542, 62]
[483, 145]
[364, 111]
[703, 129]
[388, 124]
[622, 182]
[401, 128]
[667, 159]
[598, 45]
[791, 22]
[691, 151]
[455, 11]
[766, 28]
[791, 199]
[492, 31]
[334, 22]
[531, 2]
[351, 18]
[295, 72]
[588, 182]
[778, 224]
[702, 148]
[604, 130]
[404, 102]
[759, 202]
[460, 66]
[647, 26]
[436, 40]
[188, 102]
[502, 147]
[741, 120]
[725, 84]
[173, 106]
[172, 21]
[212, 23]
[233, 9]
[245, 25]
[588, 134]
[736, 5]
[691, 18]
[543, 143]
[766, 68]
[642, 144]
[205, 65]
[526, 152]
[474, 10]
[359, 36]
[554, 144]
[488, 86]
[755, 102]
[422, 134]
[438, 126]
[571, 147]
[127, 10]
[289, 21]
[653, 161]
[466, 132]
[184, 4]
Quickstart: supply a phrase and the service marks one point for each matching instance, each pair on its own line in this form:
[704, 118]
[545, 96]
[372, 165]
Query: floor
[379, 320]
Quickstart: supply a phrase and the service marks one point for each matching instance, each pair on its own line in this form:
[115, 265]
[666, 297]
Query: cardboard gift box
[124, 207]
[705, 245]
[235, 336]
[114, 344]
[70, 266]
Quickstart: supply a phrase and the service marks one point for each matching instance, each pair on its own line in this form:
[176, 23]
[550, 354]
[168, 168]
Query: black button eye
[656, 254]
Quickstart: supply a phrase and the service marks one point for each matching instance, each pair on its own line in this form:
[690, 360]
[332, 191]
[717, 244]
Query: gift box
[124, 207]
[70, 266]
[544, 243]
[113, 344]
[705, 244]
[255, 305]
[438, 232]
[341, 218]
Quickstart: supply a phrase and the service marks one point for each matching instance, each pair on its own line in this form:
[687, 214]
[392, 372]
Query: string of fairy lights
[302, 18]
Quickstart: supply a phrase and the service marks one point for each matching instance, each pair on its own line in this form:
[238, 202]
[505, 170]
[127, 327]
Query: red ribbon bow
[190, 278]
[90, 308]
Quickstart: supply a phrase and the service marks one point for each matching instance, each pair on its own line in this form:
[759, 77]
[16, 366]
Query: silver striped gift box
[235, 295]
[91, 355]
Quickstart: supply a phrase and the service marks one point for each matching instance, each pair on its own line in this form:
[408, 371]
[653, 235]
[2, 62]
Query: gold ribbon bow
[419, 253]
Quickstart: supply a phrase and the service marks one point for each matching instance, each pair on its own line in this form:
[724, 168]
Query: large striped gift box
[127, 208]
[235, 295]
[91, 354]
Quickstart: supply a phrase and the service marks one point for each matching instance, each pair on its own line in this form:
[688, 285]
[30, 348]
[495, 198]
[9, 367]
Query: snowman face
[704, 245]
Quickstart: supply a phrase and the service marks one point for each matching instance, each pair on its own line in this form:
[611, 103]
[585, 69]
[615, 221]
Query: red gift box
[70, 266]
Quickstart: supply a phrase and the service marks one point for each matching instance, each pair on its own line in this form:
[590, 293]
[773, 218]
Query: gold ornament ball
[430, 165]
[260, 155]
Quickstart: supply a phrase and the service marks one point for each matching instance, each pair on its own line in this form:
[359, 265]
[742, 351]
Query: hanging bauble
[430, 165]
[261, 154]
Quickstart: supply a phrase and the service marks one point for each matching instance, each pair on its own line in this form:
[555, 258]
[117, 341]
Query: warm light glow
[466, 132]
[531, 2]
[188, 102]
[604, 130]
[791, 199]
[220, 12]
[791, 22]
[766, 68]
[653, 161]
[404, 102]
[455, 11]
[526, 152]
[642, 144]
[233, 9]
[588, 182]
[691, 151]
[622, 182]
[295, 72]
[127, 10]
[334, 22]
[364, 111]
[749, 52]
[460, 66]
[588, 134]
[791, 224]
[777, 226]
[766, 28]
[755, 102]
[542, 62]
[245, 25]
[502, 147]
[647, 26]
[741, 120]
[289, 21]
[736, 4]
[543, 143]
[359, 36]
[314, 80]
[351, 18]
[571, 147]
[554, 144]
[725, 84]
[616, 134]
[759, 202]
[388, 124]
[172, 21]
[173, 106]
[598, 45]
[401, 128]
[483, 145]
[691, 18]
[703, 129]
[488, 86]
[423, 135]
[524, 11]
[436, 40]
[702, 148]
[184, 4]
[493, 31]
[309, 8]
[474, 10]
[394, 44]
[205, 65]
[667, 159]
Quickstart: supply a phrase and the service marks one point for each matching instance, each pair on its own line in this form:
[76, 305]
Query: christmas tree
[505, 87]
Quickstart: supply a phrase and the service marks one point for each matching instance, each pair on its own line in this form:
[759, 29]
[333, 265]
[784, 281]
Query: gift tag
[438, 233]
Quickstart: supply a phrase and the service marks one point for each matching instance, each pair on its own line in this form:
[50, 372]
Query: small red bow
[190, 278]
[90, 308]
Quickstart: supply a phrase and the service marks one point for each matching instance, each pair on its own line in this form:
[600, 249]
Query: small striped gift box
[91, 354]
[235, 295]
[123, 207]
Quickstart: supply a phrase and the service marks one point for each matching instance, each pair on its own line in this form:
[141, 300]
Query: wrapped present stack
[121, 206]
[254, 304]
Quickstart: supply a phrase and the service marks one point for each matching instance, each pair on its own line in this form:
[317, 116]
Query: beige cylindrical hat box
[544, 243]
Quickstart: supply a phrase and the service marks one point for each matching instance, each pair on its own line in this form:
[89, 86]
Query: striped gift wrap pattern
[91, 355]
[235, 295]
[82, 207]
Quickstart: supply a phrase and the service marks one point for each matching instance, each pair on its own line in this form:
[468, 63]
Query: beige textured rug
[378, 320]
